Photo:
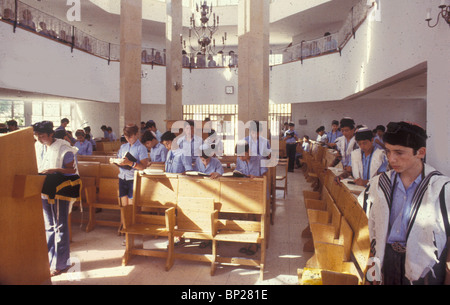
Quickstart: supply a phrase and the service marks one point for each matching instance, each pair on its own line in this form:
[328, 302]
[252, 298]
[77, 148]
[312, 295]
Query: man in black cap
[347, 143]
[408, 213]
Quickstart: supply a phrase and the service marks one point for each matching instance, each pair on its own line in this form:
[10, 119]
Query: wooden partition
[23, 254]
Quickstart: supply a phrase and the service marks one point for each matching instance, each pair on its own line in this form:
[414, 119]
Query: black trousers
[291, 150]
[394, 269]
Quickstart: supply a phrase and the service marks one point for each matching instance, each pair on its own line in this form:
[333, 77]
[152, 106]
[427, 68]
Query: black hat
[321, 128]
[43, 127]
[405, 134]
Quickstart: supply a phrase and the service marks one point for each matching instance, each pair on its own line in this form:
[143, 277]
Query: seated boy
[176, 161]
[367, 161]
[208, 165]
[158, 152]
[246, 164]
[84, 146]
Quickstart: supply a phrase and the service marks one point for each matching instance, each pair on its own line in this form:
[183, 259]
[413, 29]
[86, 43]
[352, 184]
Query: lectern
[23, 246]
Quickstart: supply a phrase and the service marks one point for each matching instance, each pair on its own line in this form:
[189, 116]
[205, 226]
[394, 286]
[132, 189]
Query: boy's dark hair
[405, 134]
[43, 127]
[150, 124]
[306, 137]
[60, 134]
[335, 122]
[321, 128]
[381, 128]
[87, 129]
[347, 122]
[12, 123]
[65, 120]
[103, 127]
[168, 136]
[147, 136]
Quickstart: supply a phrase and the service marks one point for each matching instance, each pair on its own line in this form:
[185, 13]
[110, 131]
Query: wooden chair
[159, 194]
[196, 219]
[244, 197]
[283, 163]
[107, 197]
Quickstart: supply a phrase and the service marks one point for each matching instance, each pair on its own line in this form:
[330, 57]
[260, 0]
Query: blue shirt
[84, 148]
[137, 150]
[290, 140]
[158, 153]
[214, 166]
[252, 167]
[332, 136]
[377, 137]
[401, 209]
[177, 162]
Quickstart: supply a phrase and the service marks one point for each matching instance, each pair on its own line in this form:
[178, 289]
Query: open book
[153, 171]
[234, 173]
[117, 161]
[195, 173]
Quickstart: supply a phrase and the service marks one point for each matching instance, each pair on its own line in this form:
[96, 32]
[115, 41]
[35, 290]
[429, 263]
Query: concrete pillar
[174, 73]
[130, 63]
[438, 110]
[253, 62]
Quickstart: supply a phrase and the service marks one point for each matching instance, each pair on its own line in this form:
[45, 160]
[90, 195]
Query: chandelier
[203, 31]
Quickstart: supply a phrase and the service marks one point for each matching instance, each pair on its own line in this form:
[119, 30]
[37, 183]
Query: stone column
[253, 61]
[130, 63]
[174, 73]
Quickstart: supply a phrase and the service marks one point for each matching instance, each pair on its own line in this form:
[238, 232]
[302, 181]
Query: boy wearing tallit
[408, 211]
[367, 161]
[346, 143]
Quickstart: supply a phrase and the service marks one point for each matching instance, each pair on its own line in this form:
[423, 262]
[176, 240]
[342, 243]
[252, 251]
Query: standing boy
[408, 213]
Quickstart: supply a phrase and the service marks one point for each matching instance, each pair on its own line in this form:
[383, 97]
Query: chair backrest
[156, 190]
[195, 214]
[88, 169]
[108, 190]
[243, 195]
[109, 170]
[203, 187]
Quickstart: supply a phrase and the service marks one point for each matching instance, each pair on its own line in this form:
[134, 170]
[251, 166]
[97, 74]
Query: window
[51, 111]
[12, 110]
[278, 115]
[224, 121]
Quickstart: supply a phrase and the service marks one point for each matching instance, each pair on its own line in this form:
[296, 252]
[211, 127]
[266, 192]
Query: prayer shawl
[346, 154]
[57, 186]
[377, 160]
[426, 237]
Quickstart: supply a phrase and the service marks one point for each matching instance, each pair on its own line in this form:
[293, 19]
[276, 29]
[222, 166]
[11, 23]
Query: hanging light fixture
[203, 31]
[444, 13]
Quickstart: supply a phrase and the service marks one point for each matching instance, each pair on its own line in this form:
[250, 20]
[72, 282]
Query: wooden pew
[94, 158]
[241, 196]
[157, 193]
[283, 177]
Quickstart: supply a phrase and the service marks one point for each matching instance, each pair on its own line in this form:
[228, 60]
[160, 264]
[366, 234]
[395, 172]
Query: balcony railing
[31, 19]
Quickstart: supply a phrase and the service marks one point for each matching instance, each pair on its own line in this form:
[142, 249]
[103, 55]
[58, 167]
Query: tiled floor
[98, 254]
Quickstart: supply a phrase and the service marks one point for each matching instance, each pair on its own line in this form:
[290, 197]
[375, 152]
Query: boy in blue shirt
[158, 152]
[246, 164]
[176, 161]
[84, 146]
[127, 166]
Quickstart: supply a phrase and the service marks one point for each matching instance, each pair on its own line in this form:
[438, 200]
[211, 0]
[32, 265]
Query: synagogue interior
[98, 68]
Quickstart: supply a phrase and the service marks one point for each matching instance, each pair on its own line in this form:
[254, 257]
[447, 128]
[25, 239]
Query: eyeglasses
[394, 128]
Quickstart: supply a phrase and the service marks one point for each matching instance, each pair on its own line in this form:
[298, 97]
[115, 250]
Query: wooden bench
[283, 177]
[242, 196]
[158, 194]
[343, 260]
